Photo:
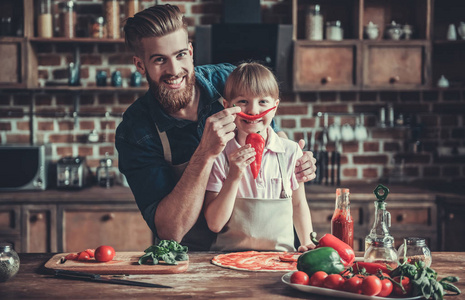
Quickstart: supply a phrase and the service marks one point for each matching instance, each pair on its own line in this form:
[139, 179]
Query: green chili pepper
[324, 259]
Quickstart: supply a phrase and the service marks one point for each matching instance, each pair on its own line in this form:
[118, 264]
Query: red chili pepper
[258, 143]
[346, 252]
[254, 117]
[371, 268]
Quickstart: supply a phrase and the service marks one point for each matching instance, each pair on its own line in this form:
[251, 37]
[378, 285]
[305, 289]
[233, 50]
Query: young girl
[261, 213]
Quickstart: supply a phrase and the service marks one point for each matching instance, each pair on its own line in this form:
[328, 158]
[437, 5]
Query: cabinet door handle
[108, 217]
[394, 79]
[326, 80]
[400, 218]
[37, 217]
[451, 216]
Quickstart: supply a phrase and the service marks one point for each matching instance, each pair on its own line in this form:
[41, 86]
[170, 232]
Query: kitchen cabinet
[58, 221]
[452, 223]
[120, 226]
[379, 64]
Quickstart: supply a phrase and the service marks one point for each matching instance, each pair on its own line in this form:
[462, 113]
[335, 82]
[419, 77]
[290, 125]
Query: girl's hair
[155, 21]
[251, 78]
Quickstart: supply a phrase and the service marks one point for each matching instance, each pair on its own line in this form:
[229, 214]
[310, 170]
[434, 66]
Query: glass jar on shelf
[112, 15]
[44, 19]
[414, 249]
[334, 31]
[132, 7]
[106, 173]
[98, 29]
[314, 23]
[9, 262]
[382, 252]
[68, 19]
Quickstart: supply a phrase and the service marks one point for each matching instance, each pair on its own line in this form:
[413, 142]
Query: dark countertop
[202, 280]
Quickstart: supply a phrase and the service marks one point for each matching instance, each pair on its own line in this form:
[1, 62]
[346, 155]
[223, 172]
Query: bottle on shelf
[112, 13]
[44, 19]
[314, 23]
[68, 19]
[380, 230]
[342, 223]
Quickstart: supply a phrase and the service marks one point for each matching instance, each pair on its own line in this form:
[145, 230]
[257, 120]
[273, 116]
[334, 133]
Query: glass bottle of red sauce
[342, 223]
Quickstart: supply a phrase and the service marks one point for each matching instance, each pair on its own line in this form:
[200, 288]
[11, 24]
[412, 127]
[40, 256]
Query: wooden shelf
[82, 40]
[447, 42]
[81, 89]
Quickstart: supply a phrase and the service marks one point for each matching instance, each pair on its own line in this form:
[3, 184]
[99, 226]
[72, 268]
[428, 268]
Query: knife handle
[68, 273]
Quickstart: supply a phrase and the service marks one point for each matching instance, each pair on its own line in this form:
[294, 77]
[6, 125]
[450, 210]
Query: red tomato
[386, 286]
[371, 285]
[71, 256]
[83, 256]
[397, 291]
[353, 285]
[300, 277]
[318, 278]
[104, 253]
[334, 281]
[91, 252]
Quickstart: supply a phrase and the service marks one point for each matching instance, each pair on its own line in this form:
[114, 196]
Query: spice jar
[106, 173]
[9, 262]
[98, 29]
[334, 31]
[132, 7]
[414, 249]
[382, 252]
[44, 19]
[67, 19]
[314, 23]
[112, 12]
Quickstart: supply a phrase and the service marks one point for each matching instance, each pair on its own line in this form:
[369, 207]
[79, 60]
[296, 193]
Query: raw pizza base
[258, 261]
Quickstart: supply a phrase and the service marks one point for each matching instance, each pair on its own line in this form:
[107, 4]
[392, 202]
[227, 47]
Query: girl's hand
[304, 248]
[240, 159]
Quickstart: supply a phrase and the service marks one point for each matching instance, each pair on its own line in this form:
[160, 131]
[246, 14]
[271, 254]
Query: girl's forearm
[301, 216]
[218, 209]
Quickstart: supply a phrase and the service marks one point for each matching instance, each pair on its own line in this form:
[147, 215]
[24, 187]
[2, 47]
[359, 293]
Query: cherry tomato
[104, 253]
[71, 256]
[386, 286]
[397, 291]
[334, 281]
[91, 252]
[353, 285]
[83, 256]
[371, 285]
[300, 277]
[318, 278]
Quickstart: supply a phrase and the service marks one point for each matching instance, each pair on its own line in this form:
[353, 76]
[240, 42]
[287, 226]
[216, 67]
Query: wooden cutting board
[123, 263]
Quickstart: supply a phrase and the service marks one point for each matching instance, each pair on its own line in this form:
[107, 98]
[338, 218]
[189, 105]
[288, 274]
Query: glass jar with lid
[334, 31]
[106, 173]
[414, 249]
[9, 262]
[112, 14]
[44, 19]
[314, 23]
[98, 29]
[68, 19]
[383, 252]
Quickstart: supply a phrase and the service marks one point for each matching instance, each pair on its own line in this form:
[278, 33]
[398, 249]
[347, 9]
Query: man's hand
[218, 131]
[306, 165]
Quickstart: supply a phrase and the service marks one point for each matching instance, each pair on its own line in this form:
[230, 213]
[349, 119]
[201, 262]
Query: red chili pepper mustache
[254, 117]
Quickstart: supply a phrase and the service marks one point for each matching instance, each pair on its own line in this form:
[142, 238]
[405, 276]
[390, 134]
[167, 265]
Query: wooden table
[201, 281]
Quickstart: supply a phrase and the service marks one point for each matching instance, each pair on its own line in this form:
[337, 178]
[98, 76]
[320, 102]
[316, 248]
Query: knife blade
[77, 275]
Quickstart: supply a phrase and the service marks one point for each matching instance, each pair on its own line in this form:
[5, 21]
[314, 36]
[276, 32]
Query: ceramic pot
[372, 31]
[394, 31]
[461, 30]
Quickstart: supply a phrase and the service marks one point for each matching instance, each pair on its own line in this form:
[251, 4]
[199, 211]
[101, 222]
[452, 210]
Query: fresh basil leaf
[181, 256]
[143, 259]
[450, 279]
[169, 258]
[450, 287]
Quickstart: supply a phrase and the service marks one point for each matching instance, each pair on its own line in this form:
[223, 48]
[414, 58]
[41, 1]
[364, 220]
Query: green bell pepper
[324, 259]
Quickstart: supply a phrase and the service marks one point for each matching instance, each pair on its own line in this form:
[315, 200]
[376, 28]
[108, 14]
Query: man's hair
[155, 21]
[251, 78]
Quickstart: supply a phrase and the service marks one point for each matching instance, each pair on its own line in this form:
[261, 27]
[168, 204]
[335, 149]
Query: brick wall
[440, 113]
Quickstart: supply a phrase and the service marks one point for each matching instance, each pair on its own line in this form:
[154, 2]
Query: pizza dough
[258, 261]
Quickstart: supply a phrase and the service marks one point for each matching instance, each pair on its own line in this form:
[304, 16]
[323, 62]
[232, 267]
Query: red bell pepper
[346, 252]
[371, 268]
[254, 117]
[258, 143]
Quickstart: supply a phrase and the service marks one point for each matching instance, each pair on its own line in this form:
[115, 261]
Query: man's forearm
[179, 210]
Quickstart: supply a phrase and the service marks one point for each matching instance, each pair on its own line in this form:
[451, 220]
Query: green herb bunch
[168, 251]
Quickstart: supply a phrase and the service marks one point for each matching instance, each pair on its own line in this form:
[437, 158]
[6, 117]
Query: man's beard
[171, 100]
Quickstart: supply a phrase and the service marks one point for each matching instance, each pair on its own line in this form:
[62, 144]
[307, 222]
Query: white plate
[334, 293]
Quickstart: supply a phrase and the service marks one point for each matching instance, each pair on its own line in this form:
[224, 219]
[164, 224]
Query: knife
[97, 278]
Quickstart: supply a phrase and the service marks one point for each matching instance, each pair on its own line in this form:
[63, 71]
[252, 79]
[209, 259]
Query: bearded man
[169, 138]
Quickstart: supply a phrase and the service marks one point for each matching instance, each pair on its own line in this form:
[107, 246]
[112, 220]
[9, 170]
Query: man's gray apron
[199, 237]
[260, 224]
